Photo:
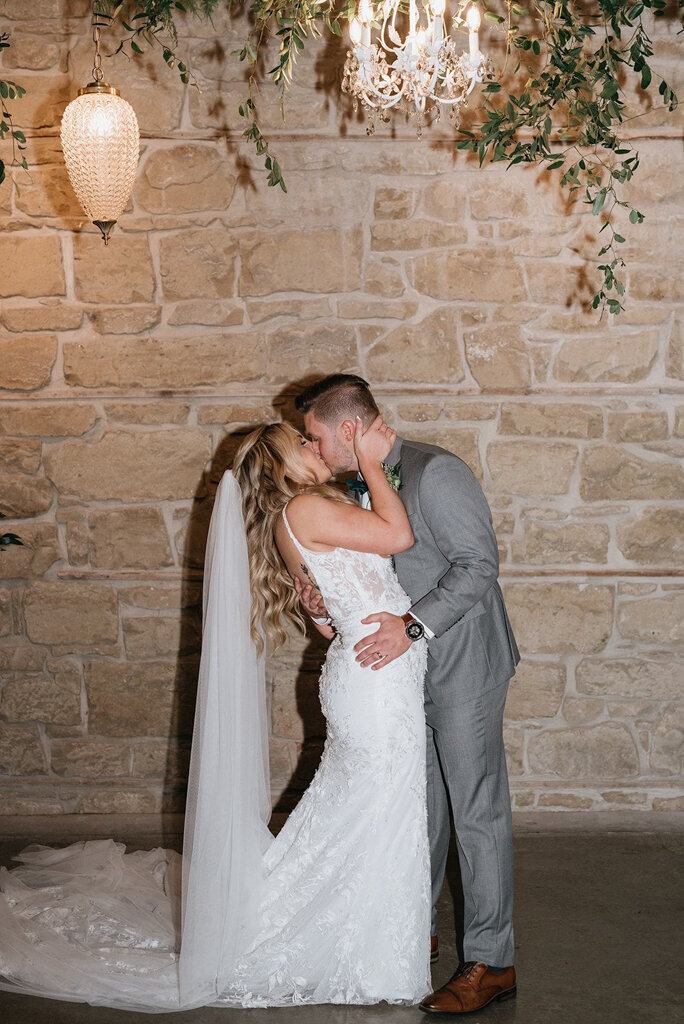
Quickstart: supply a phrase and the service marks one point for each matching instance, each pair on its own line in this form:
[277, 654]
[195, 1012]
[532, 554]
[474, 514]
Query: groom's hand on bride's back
[311, 600]
[387, 644]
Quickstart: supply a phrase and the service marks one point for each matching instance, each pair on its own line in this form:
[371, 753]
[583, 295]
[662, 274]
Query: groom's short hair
[336, 398]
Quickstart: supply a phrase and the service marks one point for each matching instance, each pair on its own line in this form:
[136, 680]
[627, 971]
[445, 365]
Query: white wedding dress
[335, 909]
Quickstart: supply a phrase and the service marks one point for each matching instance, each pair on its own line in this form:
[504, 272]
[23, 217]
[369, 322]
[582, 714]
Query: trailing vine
[152, 23]
[582, 57]
[10, 91]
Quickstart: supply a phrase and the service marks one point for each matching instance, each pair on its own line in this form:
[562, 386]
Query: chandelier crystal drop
[419, 71]
[101, 145]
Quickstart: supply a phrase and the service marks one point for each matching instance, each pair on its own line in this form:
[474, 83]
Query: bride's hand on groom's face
[387, 644]
[374, 443]
[312, 600]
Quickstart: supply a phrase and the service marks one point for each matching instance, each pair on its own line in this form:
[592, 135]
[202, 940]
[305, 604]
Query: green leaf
[135, 47]
[645, 76]
[598, 202]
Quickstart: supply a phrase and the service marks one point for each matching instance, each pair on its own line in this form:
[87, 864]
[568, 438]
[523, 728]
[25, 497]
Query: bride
[335, 909]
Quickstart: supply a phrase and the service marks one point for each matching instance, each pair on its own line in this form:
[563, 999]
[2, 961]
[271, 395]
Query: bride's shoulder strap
[287, 523]
[297, 543]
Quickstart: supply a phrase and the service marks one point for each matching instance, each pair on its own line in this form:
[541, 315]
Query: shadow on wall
[304, 664]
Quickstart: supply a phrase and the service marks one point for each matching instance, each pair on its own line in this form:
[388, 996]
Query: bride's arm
[384, 530]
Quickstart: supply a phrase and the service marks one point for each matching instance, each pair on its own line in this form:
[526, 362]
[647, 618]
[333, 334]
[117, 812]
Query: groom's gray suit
[450, 574]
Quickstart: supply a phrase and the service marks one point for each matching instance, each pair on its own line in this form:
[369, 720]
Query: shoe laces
[466, 970]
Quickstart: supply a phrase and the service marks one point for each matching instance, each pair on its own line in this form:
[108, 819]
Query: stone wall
[127, 374]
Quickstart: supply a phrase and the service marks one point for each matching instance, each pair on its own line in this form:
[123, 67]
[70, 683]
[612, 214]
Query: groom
[450, 574]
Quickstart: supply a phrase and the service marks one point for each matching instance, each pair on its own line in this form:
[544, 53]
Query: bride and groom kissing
[337, 907]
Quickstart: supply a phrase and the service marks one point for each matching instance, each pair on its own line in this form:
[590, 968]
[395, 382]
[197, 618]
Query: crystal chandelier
[101, 144]
[421, 70]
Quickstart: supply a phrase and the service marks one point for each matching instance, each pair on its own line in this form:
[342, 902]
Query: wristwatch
[414, 630]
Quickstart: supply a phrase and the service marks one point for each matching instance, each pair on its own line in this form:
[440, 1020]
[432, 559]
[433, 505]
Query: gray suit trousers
[450, 574]
[466, 766]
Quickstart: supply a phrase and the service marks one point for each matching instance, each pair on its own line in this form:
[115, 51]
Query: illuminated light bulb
[473, 23]
[473, 17]
[365, 15]
[355, 31]
[365, 12]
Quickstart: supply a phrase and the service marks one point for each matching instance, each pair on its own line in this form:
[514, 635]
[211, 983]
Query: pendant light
[101, 144]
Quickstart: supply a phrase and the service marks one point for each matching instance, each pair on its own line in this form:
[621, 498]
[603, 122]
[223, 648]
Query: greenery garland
[564, 110]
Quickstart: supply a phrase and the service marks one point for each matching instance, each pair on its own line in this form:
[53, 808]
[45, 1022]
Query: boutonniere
[392, 474]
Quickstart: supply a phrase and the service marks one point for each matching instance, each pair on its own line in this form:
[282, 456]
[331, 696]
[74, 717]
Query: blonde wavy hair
[270, 471]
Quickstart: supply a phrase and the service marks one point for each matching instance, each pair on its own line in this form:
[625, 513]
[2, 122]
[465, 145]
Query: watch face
[414, 631]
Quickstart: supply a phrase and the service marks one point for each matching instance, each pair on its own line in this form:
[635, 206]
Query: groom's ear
[346, 430]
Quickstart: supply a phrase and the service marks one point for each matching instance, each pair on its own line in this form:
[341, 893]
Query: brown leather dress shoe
[434, 949]
[473, 986]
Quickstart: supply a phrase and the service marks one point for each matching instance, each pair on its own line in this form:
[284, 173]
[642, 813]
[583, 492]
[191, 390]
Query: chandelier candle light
[101, 145]
[423, 69]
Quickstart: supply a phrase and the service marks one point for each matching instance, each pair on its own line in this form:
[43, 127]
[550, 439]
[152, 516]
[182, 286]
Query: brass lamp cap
[93, 88]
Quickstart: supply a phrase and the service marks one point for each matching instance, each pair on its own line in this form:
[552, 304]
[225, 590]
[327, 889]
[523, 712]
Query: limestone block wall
[128, 372]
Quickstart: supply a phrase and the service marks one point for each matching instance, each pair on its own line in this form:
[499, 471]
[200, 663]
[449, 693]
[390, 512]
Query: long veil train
[93, 924]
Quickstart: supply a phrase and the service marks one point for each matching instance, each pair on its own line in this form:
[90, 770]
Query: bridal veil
[91, 923]
[228, 802]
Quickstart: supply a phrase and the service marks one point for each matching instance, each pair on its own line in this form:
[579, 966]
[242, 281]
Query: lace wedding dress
[335, 909]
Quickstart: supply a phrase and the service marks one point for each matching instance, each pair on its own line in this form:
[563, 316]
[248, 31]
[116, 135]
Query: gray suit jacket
[450, 574]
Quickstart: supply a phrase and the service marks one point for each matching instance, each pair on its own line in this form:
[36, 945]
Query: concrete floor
[599, 924]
